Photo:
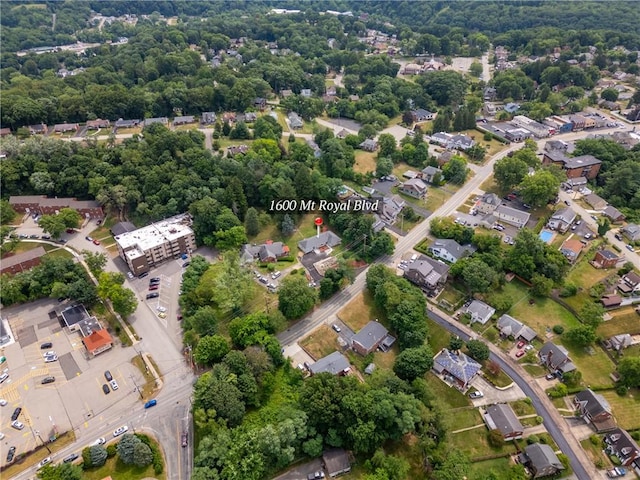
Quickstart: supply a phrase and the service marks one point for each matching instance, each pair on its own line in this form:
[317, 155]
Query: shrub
[621, 390]
[111, 450]
[595, 440]
[539, 420]
[558, 329]
[495, 438]
[569, 290]
[487, 137]
[531, 439]
[636, 435]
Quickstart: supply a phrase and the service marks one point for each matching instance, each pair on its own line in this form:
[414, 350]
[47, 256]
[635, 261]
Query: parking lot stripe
[11, 394]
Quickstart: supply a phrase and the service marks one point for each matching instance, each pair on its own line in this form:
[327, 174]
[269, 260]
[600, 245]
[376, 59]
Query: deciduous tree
[478, 350]
[211, 349]
[295, 297]
[412, 363]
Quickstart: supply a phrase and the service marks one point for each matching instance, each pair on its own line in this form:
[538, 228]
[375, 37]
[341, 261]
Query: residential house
[295, 121]
[334, 363]
[611, 300]
[5, 131]
[480, 312]
[517, 134]
[488, 203]
[286, 93]
[183, 120]
[444, 158]
[66, 127]
[410, 174]
[336, 462]
[208, 118]
[305, 92]
[97, 124]
[412, 69]
[391, 208]
[620, 342]
[250, 117]
[234, 150]
[456, 367]
[613, 214]
[229, 117]
[512, 216]
[556, 358]
[317, 153]
[38, 129]
[342, 134]
[450, 250]
[427, 273]
[511, 107]
[541, 460]
[562, 219]
[20, 262]
[586, 166]
[622, 446]
[415, 188]
[489, 94]
[596, 202]
[97, 342]
[354, 98]
[632, 232]
[571, 249]
[501, 417]
[151, 121]
[595, 409]
[629, 283]
[260, 103]
[511, 328]
[605, 259]
[421, 115]
[266, 252]
[429, 173]
[120, 123]
[453, 142]
[575, 183]
[324, 241]
[370, 337]
[369, 145]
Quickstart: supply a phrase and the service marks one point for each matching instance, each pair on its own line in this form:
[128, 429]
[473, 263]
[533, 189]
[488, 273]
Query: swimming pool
[546, 236]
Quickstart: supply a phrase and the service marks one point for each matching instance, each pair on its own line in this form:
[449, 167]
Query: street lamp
[37, 432]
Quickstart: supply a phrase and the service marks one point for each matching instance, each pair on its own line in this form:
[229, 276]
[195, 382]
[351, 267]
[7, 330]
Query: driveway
[492, 395]
[300, 472]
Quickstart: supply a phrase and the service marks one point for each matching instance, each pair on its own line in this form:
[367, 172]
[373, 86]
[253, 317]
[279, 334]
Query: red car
[96, 242]
[154, 287]
[519, 353]
[520, 344]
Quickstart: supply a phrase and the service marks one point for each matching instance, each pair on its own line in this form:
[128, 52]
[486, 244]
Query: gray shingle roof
[333, 363]
[371, 334]
[511, 327]
[480, 311]
[593, 403]
[325, 239]
[542, 456]
[501, 416]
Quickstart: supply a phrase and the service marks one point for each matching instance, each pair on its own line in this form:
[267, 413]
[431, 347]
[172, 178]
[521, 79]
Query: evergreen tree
[252, 222]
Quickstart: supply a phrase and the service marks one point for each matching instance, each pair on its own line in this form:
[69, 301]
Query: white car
[43, 462]
[3, 402]
[162, 309]
[51, 358]
[3, 377]
[99, 441]
[17, 425]
[114, 384]
[50, 353]
[476, 394]
[120, 431]
[1, 436]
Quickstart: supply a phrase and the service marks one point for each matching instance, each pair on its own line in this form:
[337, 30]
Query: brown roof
[18, 258]
[611, 300]
[97, 339]
[572, 245]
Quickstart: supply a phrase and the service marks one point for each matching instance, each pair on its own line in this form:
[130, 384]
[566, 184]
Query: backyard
[448, 395]
[365, 162]
[593, 363]
[626, 409]
[584, 276]
[476, 445]
[624, 320]
[320, 342]
[359, 311]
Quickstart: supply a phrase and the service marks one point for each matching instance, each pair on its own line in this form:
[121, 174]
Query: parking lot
[74, 397]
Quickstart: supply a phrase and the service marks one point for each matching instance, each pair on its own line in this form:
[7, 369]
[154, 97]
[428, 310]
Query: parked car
[587, 236]
[89, 239]
[11, 453]
[618, 236]
[616, 472]
[476, 394]
[96, 242]
[108, 376]
[142, 275]
[46, 237]
[151, 403]
[519, 353]
[16, 413]
[153, 287]
[315, 475]
[49, 353]
[520, 344]
[105, 389]
[263, 280]
[129, 275]
[119, 431]
[550, 376]
[17, 425]
[51, 358]
[184, 439]
[275, 275]
[154, 280]
[46, 380]
[567, 202]
[630, 247]
[152, 295]
[3, 377]
[336, 328]
[70, 458]
[161, 309]
[162, 315]
[114, 384]
[186, 264]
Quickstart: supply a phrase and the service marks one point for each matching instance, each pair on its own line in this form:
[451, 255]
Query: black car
[46, 380]
[108, 376]
[70, 458]
[46, 345]
[152, 295]
[186, 264]
[106, 389]
[154, 280]
[10, 454]
[16, 414]
[142, 275]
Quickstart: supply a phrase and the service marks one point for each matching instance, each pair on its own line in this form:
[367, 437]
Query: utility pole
[37, 432]
[136, 385]
[365, 243]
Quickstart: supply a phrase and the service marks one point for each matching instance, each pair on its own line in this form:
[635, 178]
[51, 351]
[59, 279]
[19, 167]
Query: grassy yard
[320, 342]
[595, 453]
[626, 409]
[499, 380]
[475, 444]
[149, 387]
[490, 186]
[365, 162]
[594, 365]
[522, 407]
[535, 370]
[498, 466]
[450, 295]
[436, 197]
[359, 311]
[625, 320]
[118, 470]
[449, 395]
[438, 336]
[465, 418]
[584, 276]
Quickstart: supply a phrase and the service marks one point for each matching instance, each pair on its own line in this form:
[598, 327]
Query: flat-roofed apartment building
[148, 246]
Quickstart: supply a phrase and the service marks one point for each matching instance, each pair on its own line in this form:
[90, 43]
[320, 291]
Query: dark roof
[18, 258]
[593, 403]
[542, 457]
[608, 254]
[336, 461]
[581, 161]
[122, 227]
[333, 363]
[501, 417]
[370, 335]
[509, 326]
[325, 239]
[74, 314]
[460, 366]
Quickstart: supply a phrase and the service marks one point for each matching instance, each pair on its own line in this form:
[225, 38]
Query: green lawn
[499, 380]
[451, 296]
[522, 407]
[449, 395]
[594, 365]
[535, 370]
[465, 418]
[436, 197]
[118, 470]
[438, 336]
[626, 409]
[595, 453]
[320, 342]
[365, 161]
[625, 320]
[498, 466]
[475, 444]
[584, 276]
[360, 311]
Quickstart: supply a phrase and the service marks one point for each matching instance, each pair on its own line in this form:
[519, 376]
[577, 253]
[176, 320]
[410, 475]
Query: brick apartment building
[43, 205]
[21, 262]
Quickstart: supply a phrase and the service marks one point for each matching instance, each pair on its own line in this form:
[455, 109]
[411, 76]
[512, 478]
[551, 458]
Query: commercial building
[155, 243]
